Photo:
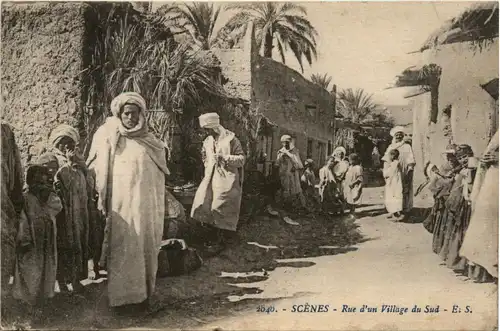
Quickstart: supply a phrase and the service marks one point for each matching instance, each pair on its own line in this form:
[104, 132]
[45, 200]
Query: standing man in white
[218, 198]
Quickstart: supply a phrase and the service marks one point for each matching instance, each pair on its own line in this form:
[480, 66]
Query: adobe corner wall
[42, 59]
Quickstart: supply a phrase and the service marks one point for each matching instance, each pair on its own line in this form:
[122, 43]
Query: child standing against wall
[36, 262]
[353, 183]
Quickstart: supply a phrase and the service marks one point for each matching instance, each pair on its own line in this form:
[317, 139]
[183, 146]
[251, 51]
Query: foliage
[477, 25]
[198, 20]
[344, 137]
[382, 120]
[281, 23]
[137, 54]
[321, 80]
[355, 105]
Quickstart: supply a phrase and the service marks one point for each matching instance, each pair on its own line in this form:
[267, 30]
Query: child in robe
[308, 183]
[394, 186]
[353, 183]
[36, 261]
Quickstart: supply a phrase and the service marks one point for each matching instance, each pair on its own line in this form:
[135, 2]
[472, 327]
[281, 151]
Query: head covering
[63, 130]
[131, 98]
[31, 173]
[45, 159]
[286, 138]
[339, 149]
[464, 150]
[49, 161]
[451, 149]
[209, 120]
[308, 162]
[355, 158]
[396, 129]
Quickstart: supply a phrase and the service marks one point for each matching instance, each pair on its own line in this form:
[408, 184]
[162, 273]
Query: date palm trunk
[268, 44]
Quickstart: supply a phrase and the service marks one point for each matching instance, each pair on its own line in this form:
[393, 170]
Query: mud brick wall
[41, 63]
[297, 106]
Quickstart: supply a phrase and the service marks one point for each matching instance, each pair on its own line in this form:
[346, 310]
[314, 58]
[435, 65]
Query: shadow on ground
[186, 301]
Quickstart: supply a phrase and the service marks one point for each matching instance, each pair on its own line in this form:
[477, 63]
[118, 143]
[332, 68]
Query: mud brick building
[287, 102]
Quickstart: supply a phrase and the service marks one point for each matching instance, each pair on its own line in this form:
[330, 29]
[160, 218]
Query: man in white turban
[130, 168]
[407, 162]
[218, 198]
[290, 167]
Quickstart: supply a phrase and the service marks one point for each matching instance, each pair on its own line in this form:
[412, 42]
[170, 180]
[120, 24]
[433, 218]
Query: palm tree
[171, 77]
[356, 105]
[198, 20]
[281, 24]
[321, 80]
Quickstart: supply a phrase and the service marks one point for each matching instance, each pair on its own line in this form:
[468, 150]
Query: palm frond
[355, 105]
[321, 80]
[285, 22]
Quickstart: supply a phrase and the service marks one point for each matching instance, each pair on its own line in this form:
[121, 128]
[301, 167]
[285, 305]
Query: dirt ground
[336, 261]
[185, 301]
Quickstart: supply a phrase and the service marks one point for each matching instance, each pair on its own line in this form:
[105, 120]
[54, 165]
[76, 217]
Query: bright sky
[365, 44]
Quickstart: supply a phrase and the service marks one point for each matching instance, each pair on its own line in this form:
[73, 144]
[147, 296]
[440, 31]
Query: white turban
[339, 149]
[396, 129]
[209, 120]
[63, 130]
[127, 98]
[286, 138]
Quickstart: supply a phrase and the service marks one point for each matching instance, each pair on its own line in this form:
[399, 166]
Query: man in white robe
[290, 167]
[218, 199]
[130, 168]
[407, 163]
[480, 245]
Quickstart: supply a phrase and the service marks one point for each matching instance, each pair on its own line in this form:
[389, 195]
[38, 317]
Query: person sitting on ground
[353, 184]
[394, 186]
[36, 262]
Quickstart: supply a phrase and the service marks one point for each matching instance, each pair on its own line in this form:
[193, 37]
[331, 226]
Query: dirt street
[394, 267]
[369, 261]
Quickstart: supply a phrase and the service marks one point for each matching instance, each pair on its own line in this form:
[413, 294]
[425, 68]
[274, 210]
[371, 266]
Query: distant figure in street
[394, 185]
[407, 164]
[218, 199]
[376, 158]
[330, 194]
[340, 167]
[130, 169]
[36, 264]
[308, 181]
[353, 184]
[290, 167]
[308, 178]
[11, 204]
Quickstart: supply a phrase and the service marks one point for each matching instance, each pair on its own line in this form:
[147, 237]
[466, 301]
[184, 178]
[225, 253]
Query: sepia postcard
[250, 165]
